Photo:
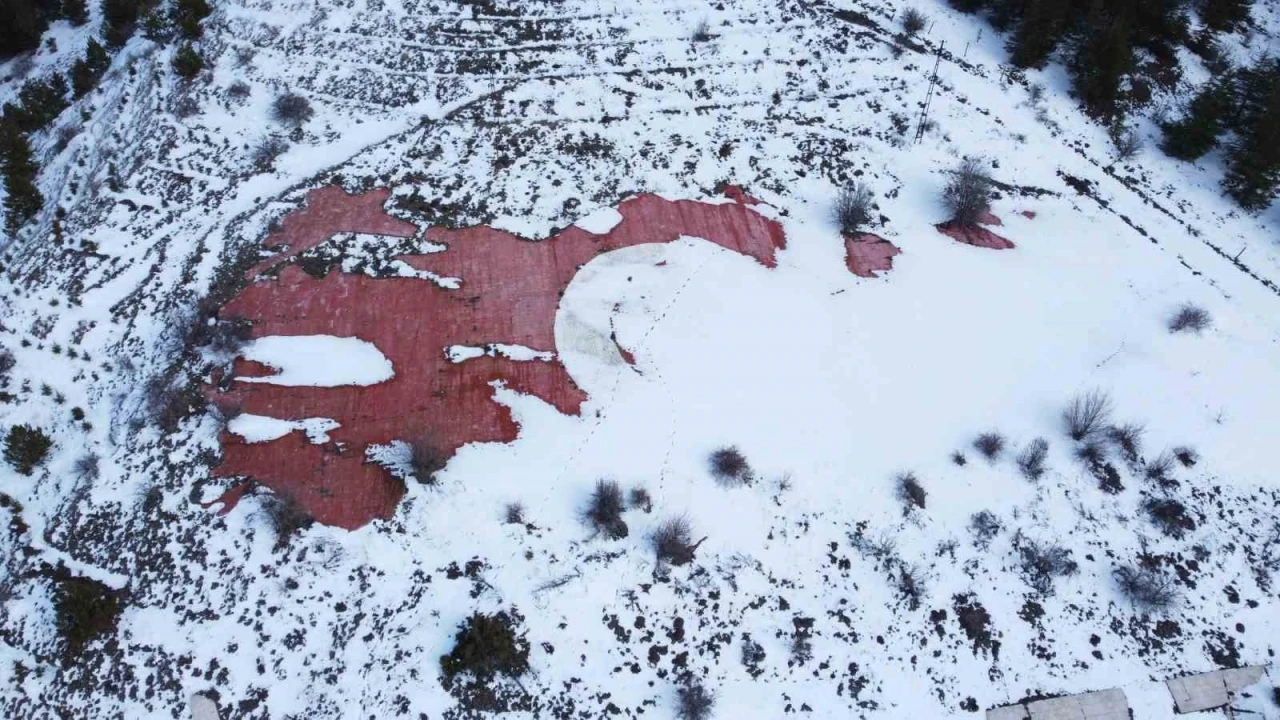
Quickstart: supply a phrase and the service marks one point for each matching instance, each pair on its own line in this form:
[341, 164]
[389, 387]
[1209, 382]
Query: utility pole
[928, 98]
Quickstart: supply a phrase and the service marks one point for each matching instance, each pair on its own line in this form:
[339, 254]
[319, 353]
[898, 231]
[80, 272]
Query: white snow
[260, 428]
[601, 221]
[318, 361]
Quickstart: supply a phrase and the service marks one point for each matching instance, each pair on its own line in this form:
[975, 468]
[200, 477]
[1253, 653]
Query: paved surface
[1100, 705]
[203, 707]
[1210, 690]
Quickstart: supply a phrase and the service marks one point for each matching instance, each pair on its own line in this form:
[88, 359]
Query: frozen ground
[537, 115]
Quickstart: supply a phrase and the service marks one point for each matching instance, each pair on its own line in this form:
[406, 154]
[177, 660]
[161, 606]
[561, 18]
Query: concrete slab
[1237, 679]
[1104, 705]
[1062, 708]
[1207, 691]
[1008, 712]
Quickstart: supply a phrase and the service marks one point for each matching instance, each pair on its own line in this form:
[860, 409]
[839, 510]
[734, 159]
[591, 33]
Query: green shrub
[488, 645]
[86, 609]
[187, 62]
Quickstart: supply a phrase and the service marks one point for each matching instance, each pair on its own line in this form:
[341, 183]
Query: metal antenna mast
[928, 98]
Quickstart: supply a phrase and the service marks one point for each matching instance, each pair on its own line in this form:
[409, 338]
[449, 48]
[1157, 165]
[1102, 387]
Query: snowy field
[536, 116]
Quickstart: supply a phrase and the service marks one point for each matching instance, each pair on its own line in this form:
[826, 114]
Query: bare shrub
[426, 459]
[1170, 516]
[88, 466]
[990, 445]
[1160, 469]
[1126, 140]
[853, 208]
[239, 90]
[187, 106]
[1031, 459]
[911, 587]
[264, 154]
[673, 541]
[752, 655]
[911, 492]
[694, 702]
[1190, 318]
[801, 649]
[1087, 414]
[221, 337]
[1145, 588]
[1092, 452]
[285, 517]
[968, 193]
[730, 468]
[1128, 438]
[959, 459]
[604, 510]
[1186, 456]
[245, 55]
[639, 499]
[291, 110]
[913, 21]
[513, 514]
[1041, 564]
[701, 32]
[7, 362]
[985, 526]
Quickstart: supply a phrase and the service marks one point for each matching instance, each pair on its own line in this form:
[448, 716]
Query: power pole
[928, 98]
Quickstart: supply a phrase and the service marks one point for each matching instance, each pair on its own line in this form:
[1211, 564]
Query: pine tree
[23, 200]
[76, 11]
[1102, 59]
[187, 15]
[1197, 133]
[121, 17]
[40, 102]
[1224, 15]
[187, 62]
[21, 28]
[1253, 161]
[86, 71]
[1042, 28]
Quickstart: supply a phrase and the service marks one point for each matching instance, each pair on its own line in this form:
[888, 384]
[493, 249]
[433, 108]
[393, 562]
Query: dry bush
[1186, 456]
[1190, 318]
[640, 500]
[1031, 459]
[968, 193]
[1128, 438]
[1087, 414]
[985, 526]
[604, 510]
[1160, 469]
[1040, 564]
[513, 514]
[853, 208]
[911, 587]
[701, 32]
[291, 110]
[990, 445]
[913, 21]
[1170, 516]
[694, 702]
[426, 459]
[911, 492]
[959, 459]
[1146, 588]
[285, 517]
[239, 90]
[673, 541]
[87, 466]
[730, 468]
[264, 154]
[1092, 452]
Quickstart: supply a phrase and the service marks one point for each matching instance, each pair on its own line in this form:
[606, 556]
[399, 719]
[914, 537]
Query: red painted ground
[866, 254]
[976, 235]
[510, 293]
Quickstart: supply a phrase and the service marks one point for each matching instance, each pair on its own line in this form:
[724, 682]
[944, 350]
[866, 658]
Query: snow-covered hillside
[818, 589]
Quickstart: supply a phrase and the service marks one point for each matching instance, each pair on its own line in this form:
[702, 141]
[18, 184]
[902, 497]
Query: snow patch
[601, 221]
[318, 361]
[261, 428]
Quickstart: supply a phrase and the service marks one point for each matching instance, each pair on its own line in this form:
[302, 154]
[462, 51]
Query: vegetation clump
[25, 447]
[487, 646]
[968, 193]
[673, 542]
[1145, 588]
[853, 208]
[1031, 460]
[604, 510]
[694, 702]
[1087, 414]
[989, 445]
[86, 609]
[730, 467]
[911, 492]
[913, 21]
[1189, 318]
[292, 110]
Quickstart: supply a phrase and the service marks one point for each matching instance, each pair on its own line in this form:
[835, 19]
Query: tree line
[1116, 51]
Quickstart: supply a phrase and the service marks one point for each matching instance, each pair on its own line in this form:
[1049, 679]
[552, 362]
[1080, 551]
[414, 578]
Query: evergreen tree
[1043, 25]
[75, 11]
[21, 25]
[187, 62]
[1102, 59]
[187, 15]
[1224, 15]
[40, 102]
[121, 17]
[86, 71]
[23, 200]
[1197, 133]
[1253, 161]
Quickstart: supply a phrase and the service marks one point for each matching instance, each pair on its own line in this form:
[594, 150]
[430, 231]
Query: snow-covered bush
[985, 526]
[486, 646]
[604, 510]
[1041, 564]
[968, 193]
[292, 110]
[25, 447]
[1031, 459]
[990, 444]
[87, 466]
[513, 514]
[730, 467]
[694, 702]
[1087, 414]
[1190, 318]
[639, 499]
[673, 541]
[1145, 588]
[853, 208]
